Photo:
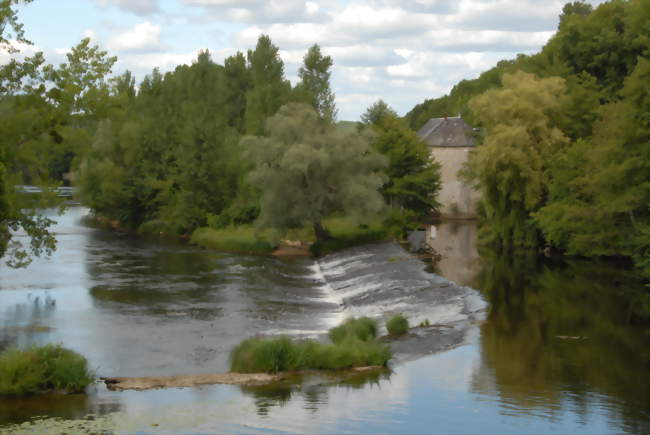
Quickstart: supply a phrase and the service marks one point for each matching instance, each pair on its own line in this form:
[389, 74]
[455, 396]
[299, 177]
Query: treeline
[175, 152]
[565, 159]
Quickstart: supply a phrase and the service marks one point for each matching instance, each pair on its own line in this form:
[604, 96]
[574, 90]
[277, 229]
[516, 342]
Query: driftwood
[151, 382]
[245, 379]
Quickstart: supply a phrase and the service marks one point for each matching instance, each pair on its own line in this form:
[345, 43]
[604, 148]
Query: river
[544, 345]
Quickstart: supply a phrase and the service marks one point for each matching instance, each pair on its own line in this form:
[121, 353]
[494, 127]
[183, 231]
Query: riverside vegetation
[353, 345]
[38, 369]
[565, 155]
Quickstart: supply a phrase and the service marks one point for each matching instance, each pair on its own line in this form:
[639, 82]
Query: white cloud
[143, 37]
[138, 7]
[261, 11]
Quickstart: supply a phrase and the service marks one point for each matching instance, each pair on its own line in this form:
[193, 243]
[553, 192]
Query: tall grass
[353, 345]
[347, 233]
[36, 369]
[363, 328]
[397, 325]
[232, 239]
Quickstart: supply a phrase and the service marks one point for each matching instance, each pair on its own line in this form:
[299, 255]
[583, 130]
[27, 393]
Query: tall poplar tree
[314, 86]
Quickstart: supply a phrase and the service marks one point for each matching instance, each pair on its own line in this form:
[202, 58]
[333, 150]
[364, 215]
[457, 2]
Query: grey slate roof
[447, 132]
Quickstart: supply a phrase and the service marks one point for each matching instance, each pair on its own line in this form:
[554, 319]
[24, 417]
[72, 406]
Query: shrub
[345, 234]
[37, 369]
[281, 354]
[397, 325]
[363, 328]
[353, 345]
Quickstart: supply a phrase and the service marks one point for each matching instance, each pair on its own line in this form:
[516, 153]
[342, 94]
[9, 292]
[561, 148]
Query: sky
[397, 50]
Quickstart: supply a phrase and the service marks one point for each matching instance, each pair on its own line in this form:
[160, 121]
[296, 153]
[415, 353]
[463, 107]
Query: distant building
[451, 140]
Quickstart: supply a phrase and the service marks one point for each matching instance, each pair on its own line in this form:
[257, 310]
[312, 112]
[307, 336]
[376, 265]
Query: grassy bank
[232, 239]
[354, 345]
[347, 233]
[38, 369]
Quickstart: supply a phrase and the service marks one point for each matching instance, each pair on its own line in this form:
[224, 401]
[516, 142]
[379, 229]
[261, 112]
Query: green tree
[413, 175]
[307, 170]
[268, 90]
[510, 168]
[599, 196]
[315, 83]
[20, 82]
[376, 112]
[9, 19]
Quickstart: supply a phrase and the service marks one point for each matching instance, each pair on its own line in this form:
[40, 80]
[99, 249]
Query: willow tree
[307, 170]
[510, 169]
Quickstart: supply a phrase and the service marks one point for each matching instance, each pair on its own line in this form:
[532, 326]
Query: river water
[542, 346]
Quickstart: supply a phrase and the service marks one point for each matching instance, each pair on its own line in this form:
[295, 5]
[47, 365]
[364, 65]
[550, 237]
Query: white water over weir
[381, 280]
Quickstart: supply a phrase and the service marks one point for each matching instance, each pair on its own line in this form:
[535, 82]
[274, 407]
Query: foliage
[24, 121]
[510, 168]
[346, 233]
[306, 170]
[377, 112]
[315, 83]
[413, 176]
[232, 239]
[599, 196]
[268, 90]
[9, 19]
[363, 328]
[397, 325]
[353, 345]
[38, 369]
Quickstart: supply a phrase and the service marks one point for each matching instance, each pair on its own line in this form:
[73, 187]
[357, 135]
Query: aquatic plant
[282, 354]
[397, 325]
[353, 345]
[363, 328]
[37, 369]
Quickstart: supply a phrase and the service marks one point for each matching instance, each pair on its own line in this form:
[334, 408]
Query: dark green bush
[281, 354]
[231, 239]
[353, 345]
[363, 328]
[37, 369]
[397, 325]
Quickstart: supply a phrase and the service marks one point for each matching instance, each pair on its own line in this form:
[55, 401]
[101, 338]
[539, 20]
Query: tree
[268, 88]
[9, 19]
[413, 175]
[599, 196]
[306, 170]
[19, 82]
[511, 168]
[315, 83]
[376, 112]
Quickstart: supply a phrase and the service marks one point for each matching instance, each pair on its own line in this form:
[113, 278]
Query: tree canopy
[307, 170]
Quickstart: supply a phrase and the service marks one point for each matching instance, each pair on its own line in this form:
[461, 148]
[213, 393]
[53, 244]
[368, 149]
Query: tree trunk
[321, 233]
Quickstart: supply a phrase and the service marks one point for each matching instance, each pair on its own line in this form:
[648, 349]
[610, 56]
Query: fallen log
[149, 383]
[231, 378]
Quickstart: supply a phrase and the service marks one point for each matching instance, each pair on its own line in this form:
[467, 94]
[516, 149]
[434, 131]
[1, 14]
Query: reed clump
[397, 325]
[37, 369]
[353, 345]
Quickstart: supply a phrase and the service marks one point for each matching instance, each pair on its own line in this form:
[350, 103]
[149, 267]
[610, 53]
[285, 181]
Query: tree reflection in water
[562, 333]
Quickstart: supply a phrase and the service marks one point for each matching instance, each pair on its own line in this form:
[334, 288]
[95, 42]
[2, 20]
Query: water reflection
[312, 389]
[564, 334]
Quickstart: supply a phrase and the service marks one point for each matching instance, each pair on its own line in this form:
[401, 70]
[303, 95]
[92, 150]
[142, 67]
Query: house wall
[458, 200]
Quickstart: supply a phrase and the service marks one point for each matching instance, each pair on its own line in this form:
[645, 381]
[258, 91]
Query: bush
[363, 328]
[353, 345]
[397, 325]
[232, 239]
[281, 354]
[346, 234]
[37, 369]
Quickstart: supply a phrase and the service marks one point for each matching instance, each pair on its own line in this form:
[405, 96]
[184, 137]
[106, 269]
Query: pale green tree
[307, 170]
[511, 167]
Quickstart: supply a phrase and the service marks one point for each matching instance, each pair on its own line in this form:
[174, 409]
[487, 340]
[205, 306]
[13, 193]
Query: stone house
[451, 140]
